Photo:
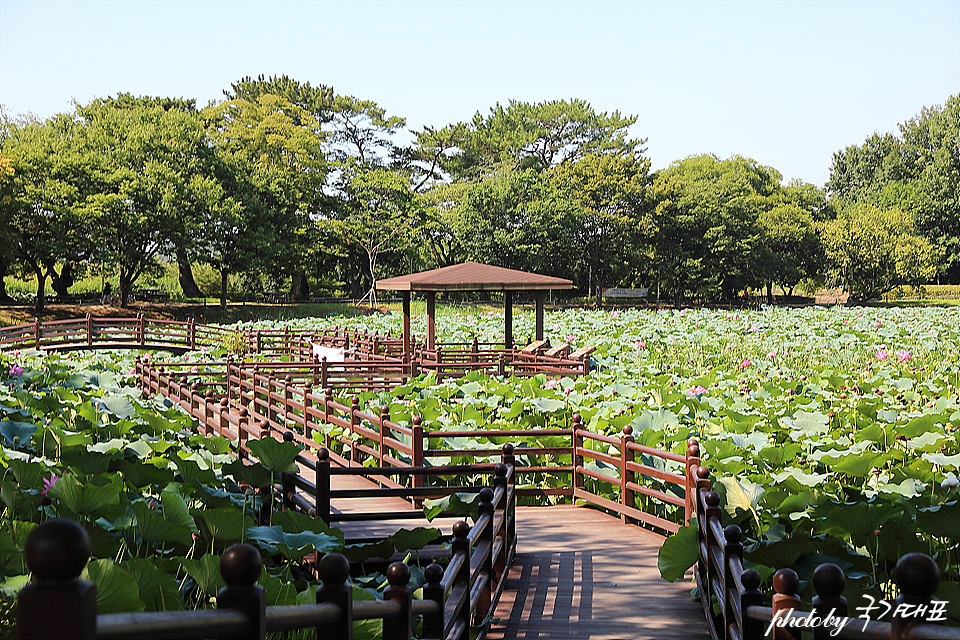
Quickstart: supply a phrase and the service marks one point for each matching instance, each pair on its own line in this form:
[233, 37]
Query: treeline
[296, 187]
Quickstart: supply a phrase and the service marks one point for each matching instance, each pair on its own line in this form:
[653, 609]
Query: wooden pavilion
[472, 276]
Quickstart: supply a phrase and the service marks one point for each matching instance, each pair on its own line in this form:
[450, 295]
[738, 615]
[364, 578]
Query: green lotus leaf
[275, 455]
[84, 498]
[741, 495]
[155, 529]
[225, 524]
[206, 573]
[414, 539]
[17, 434]
[679, 552]
[291, 545]
[158, 590]
[117, 592]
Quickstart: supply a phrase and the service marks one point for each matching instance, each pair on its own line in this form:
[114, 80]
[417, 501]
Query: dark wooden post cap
[57, 549]
[240, 565]
[712, 498]
[486, 494]
[693, 450]
[500, 470]
[398, 574]
[461, 529]
[433, 574]
[244, 413]
[288, 436]
[508, 449]
[627, 430]
[417, 420]
[703, 473]
[917, 575]
[333, 569]
[732, 534]
[828, 580]
[750, 579]
[786, 582]
[323, 454]
[287, 378]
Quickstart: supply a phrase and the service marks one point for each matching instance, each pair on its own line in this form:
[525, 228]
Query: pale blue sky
[787, 83]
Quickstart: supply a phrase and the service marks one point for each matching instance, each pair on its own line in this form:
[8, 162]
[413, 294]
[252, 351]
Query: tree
[872, 251]
[611, 194]
[703, 233]
[540, 136]
[146, 167]
[792, 249]
[379, 214]
[273, 150]
[44, 205]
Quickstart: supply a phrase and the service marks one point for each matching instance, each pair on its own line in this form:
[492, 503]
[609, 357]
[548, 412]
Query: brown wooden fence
[722, 579]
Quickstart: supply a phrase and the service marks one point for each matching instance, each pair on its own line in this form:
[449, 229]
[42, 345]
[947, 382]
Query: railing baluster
[828, 581]
[56, 604]
[400, 627]
[785, 583]
[334, 569]
[240, 566]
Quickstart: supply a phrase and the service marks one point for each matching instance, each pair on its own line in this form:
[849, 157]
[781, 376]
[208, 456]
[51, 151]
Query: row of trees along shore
[297, 187]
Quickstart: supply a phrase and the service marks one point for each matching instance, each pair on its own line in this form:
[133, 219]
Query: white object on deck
[332, 354]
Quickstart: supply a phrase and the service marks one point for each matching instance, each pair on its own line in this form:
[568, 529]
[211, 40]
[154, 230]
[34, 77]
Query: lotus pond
[830, 433]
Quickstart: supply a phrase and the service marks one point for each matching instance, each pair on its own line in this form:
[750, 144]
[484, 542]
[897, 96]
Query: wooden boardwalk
[581, 574]
[578, 574]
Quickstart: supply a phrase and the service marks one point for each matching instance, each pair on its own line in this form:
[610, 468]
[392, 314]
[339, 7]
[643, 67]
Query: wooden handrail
[721, 578]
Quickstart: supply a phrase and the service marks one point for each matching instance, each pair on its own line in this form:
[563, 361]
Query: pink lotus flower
[696, 391]
[771, 356]
[194, 369]
[571, 338]
[744, 364]
[132, 372]
[549, 384]
[641, 344]
[882, 354]
[48, 483]
[754, 328]
[903, 356]
[15, 370]
[614, 314]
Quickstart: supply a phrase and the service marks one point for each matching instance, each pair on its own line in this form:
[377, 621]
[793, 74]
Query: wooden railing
[721, 578]
[58, 605]
[242, 403]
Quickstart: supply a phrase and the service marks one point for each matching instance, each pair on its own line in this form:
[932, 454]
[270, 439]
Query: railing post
[208, 413]
[474, 350]
[240, 566]
[56, 604]
[433, 590]
[785, 583]
[223, 423]
[334, 570]
[287, 483]
[141, 330]
[322, 483]
[751, 596]
[89, 330]
[918, 576]
[417, 445]
[487, 535]
[327, 401]
[627, 498]
[193, 334]
[577, 441]
[400, 627]
[731, 549]
[384, 418]
[354, 423]
[828, 581]
[690, 490]
[307, 404]
[243, 435]
[36, 332]
[324, 373]
[461, 545]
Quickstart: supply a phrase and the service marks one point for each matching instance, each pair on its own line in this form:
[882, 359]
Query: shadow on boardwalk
[581, 574]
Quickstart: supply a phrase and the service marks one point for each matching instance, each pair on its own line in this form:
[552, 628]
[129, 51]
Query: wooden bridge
[534, 572]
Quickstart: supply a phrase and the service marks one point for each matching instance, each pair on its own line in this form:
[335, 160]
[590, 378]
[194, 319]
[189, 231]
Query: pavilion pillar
[508, 319]
[406, 325]
[431, 320]
[541, 297]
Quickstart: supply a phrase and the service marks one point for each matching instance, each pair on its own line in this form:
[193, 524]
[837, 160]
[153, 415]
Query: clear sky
[786, 82]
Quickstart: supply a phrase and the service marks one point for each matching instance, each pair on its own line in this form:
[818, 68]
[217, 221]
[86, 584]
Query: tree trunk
[126, 284]
[185, 274]
[41, 284]
[769, 291]
[4, 264]
[299, 286]
[223, 288]
[62, 282]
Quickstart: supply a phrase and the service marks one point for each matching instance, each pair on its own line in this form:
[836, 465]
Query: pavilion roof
[473, 276]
